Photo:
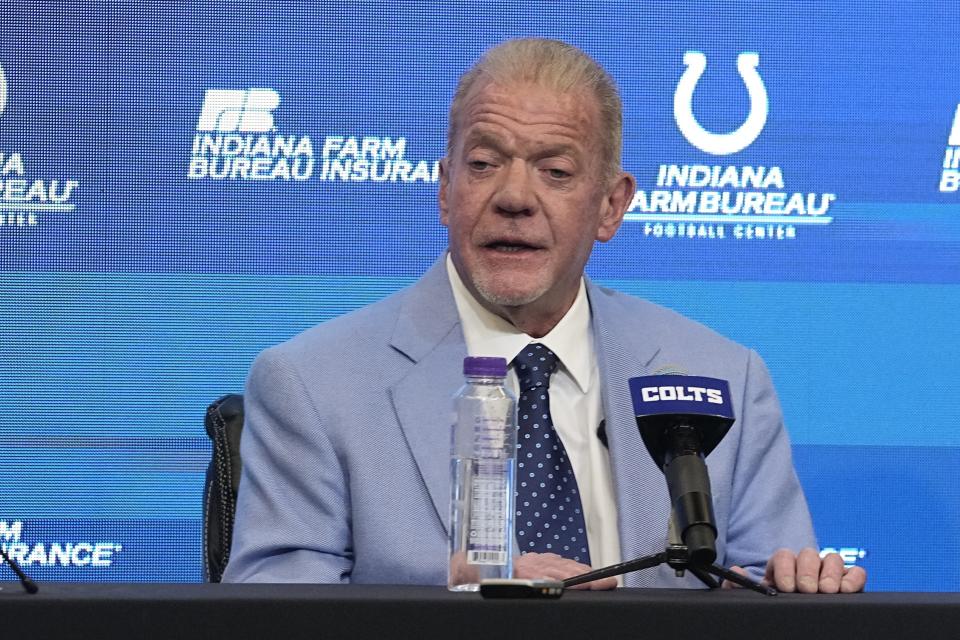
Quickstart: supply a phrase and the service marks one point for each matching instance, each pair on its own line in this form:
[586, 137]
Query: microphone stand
[25, 580]
[679, 427]
[678, 557]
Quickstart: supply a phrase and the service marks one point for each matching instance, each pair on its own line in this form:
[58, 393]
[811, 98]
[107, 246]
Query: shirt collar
[487, 334]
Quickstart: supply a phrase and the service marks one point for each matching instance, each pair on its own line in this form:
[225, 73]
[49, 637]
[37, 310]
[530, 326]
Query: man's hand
[550, 565]
[807, 573]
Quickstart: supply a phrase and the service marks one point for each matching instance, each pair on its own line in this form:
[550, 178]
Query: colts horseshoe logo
[3, 90]
[720, 144]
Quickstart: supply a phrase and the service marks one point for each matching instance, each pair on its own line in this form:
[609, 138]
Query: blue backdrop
[184, 184]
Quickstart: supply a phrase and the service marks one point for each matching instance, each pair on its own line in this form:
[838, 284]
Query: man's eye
[558, 174]
[479, 165]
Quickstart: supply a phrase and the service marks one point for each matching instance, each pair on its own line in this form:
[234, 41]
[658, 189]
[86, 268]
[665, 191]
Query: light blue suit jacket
[346, 473]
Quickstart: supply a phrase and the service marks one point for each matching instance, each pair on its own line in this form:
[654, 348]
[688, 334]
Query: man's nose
[515, 195]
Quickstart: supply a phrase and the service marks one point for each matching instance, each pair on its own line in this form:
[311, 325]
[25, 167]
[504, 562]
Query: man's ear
[616, 201]
[442, 192]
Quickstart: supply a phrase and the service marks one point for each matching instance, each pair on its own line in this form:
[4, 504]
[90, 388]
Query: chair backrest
[224, 423]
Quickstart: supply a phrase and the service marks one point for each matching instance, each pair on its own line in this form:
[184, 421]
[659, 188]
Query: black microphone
[681, 419]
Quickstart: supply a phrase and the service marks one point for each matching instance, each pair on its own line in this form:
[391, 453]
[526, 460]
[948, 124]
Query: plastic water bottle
[482, 458]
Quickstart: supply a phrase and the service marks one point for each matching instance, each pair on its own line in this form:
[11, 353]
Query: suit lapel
[428, 332]
[643, 503]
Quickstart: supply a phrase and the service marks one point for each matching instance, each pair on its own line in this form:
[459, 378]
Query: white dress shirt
[575, 401]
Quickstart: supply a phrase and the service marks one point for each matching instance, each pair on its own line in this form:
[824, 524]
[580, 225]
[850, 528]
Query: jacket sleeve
[293, 508]
[768, 508]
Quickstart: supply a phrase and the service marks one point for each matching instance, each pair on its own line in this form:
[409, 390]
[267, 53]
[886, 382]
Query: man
[346, 448]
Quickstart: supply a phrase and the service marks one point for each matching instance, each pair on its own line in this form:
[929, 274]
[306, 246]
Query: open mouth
[504, 246]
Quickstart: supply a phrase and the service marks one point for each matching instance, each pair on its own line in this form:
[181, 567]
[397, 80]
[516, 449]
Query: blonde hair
[554, 65]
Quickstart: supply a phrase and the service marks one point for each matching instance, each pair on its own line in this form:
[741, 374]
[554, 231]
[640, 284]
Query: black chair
[224, 423]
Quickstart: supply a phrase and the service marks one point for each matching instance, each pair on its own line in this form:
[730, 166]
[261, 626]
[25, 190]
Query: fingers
[603, 584]
[546, 565]
[782, 571]
[554, 567]
[854, 580]
[808, 571]
[831, 573]
[835, 577]
[733, 585]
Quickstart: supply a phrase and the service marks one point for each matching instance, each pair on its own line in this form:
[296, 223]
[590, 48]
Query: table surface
[184, 611]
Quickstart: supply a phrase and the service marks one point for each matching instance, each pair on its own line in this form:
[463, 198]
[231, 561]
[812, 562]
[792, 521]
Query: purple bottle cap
[485, 367]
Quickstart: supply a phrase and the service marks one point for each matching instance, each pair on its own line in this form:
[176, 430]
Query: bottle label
[489, 505]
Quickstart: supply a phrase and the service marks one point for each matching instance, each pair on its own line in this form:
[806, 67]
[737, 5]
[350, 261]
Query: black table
[282, 612]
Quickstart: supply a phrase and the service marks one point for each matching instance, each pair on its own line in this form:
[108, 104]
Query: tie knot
[534, 365]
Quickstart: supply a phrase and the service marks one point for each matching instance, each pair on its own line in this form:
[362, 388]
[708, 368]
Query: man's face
[523, 196]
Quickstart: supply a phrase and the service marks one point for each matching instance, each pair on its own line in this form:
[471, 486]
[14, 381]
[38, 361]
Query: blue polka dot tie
[549, 512]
